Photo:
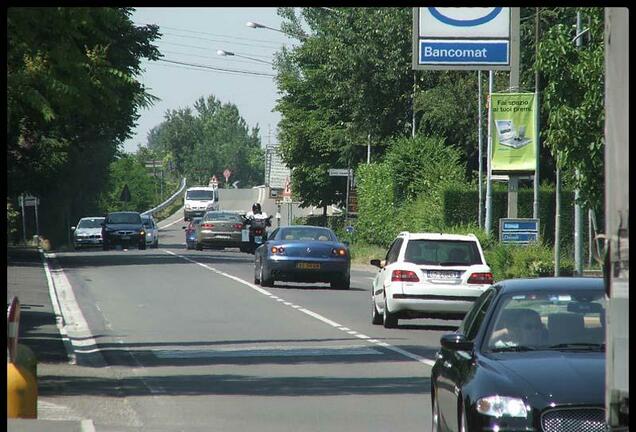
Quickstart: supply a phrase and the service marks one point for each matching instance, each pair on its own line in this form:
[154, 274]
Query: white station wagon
[428, 275]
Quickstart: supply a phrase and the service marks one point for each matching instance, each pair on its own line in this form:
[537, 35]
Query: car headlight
[142, 232]
[502, 406]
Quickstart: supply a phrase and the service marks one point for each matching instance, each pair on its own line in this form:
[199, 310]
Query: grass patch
[362, 253]
[170, 210]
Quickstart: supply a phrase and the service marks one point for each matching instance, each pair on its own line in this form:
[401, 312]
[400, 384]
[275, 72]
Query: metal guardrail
[169, 201]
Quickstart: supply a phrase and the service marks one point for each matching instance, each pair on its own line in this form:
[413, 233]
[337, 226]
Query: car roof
[305, 226]
[124, 212]
[200, 188]
[549, 284]
[437, 236]
[92, 217]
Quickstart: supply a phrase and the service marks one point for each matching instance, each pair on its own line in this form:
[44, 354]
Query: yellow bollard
[26, 357]
[22, 392]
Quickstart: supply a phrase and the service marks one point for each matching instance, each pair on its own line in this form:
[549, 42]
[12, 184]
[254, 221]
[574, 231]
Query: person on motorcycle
[256, 212]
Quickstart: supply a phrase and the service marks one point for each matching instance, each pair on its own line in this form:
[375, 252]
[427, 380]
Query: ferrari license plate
[308, 266]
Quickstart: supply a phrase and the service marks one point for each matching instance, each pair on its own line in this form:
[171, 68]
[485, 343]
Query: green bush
[460, 206]
[534, 260]
[376, 211]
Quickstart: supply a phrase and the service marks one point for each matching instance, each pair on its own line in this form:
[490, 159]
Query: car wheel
[266, 281]
[376, 316]
[342, 284]
[257, 280]
[390, 320]
[156, 244]
[199, 247]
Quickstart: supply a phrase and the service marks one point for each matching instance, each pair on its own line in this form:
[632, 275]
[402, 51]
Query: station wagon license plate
[308, 266]
[441, 274]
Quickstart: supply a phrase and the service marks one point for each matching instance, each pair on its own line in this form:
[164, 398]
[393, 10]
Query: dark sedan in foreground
[302, 253]
[528, 356]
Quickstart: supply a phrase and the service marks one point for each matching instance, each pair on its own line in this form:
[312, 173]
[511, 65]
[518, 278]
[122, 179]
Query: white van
[198, 200]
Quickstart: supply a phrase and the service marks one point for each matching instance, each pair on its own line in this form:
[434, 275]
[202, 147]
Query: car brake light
[484, 278]
[238, 226]
[207, 225]
[404, 276]
[258, 231]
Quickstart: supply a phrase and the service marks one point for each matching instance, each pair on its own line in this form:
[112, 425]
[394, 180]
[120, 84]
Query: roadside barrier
[169, 201]
[22, 388]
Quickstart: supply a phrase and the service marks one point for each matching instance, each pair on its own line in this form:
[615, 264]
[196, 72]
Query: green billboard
[514, 147]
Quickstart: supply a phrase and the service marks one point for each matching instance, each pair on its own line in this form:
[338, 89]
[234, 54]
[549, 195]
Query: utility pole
[489, 156]
[578, 214]
[480, 144]
[513, 179]
[537, 118]
[413, 106]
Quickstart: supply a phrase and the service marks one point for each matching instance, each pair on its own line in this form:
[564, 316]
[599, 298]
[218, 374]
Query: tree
[127, 170]
[574, 102]
[206, 139]
[350, 78]
[72, 99]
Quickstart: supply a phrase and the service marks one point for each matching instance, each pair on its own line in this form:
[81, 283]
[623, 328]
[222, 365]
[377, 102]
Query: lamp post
[256, 25]
[230, 53]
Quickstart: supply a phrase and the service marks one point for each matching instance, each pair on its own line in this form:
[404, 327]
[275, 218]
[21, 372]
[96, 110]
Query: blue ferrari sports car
[302, 253]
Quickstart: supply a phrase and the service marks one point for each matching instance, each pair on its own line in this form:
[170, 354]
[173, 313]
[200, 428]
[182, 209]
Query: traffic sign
[125, 194]
[340, 172]
[213, 182]
[227, 173]
[28, 200]
[518, 231]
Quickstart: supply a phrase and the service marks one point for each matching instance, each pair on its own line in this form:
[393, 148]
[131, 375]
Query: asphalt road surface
[182, 340]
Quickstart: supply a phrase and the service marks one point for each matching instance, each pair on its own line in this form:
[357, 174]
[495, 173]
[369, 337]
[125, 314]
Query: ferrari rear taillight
[483, 278]
[404, 276]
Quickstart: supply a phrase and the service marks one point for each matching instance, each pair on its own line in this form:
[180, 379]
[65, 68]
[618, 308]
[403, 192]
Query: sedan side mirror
[377, 263]
[456, 342]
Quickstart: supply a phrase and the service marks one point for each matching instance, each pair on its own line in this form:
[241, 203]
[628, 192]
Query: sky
[194, 35]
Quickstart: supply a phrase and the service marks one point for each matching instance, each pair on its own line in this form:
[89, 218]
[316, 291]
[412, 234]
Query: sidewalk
[38, 330]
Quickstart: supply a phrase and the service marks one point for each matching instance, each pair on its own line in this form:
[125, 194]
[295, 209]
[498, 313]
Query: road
[172, 339]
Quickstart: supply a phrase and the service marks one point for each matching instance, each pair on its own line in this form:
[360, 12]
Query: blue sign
[520, 225]
[446, 19]
[349, 229]
[518, 231]
[518, 237]
[465, 52]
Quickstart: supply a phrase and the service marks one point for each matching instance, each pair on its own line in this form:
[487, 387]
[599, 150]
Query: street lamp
[230, 53]
[257, 25]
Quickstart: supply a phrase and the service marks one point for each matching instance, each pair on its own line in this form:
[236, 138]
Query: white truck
[616, 255]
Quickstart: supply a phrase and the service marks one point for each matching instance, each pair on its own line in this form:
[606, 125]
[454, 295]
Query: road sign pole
[23, 219]
[480, 145]
[488, 223]
[347, 198]
[37, 224]
[513, 179]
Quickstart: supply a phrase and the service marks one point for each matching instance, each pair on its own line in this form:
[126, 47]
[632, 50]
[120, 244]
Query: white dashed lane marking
[312, 314]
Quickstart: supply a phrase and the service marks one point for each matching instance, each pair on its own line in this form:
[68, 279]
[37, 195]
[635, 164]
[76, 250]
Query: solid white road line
[312, 314]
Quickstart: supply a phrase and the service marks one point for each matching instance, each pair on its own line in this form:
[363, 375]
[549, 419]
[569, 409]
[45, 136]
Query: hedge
[460, 207]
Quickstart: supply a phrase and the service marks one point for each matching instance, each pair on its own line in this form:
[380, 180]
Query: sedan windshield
[200, 195]
[124, 218]
[549, 321]
[90, 223]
